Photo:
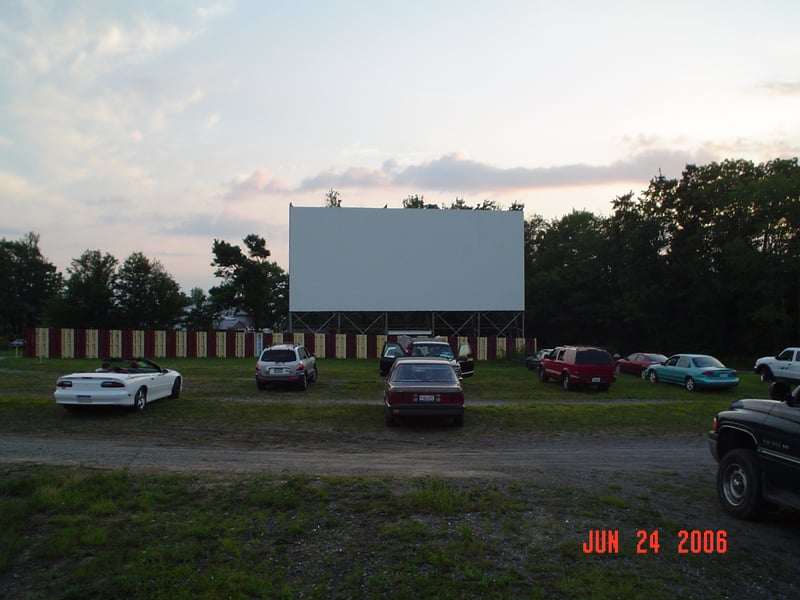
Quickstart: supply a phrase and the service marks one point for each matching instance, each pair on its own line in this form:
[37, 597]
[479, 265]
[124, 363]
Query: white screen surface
[391, 260]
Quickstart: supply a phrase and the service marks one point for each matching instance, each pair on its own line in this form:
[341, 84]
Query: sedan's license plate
[426, 398]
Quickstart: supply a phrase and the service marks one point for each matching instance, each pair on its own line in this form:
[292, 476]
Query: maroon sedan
[637, 363]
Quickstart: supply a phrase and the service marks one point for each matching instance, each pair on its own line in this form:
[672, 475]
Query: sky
[160, 126]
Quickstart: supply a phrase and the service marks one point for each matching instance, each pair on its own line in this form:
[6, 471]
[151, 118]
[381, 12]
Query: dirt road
[399, 453]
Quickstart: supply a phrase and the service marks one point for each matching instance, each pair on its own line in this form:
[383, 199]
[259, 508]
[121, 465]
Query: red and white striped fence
[103, 343]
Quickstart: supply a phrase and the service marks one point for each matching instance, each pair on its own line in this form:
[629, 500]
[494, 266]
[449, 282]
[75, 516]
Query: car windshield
[593, 357]
[424, 373]
[442, 350]
[127, 365]
[281, 356]
[706, 361]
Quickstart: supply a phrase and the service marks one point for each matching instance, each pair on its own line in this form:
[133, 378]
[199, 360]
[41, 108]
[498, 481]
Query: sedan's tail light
[452, 398]
[64, 384]
[112, 384]
[400, 397]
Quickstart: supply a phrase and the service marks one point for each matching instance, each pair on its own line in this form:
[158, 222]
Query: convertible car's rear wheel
[140, 399]
[739, 484]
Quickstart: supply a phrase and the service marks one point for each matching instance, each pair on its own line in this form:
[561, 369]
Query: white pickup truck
[783, 367]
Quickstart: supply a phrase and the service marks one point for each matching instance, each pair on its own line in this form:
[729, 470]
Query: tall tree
[202, 314]
[568, 280]
[87, 299]
[251, 282]
[147, 296]
[28, 283]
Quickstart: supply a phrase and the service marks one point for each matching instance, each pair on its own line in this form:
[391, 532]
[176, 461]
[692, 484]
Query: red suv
[578, 365]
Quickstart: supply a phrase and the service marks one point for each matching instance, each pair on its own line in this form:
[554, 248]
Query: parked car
[637, 363]
[757, 446]
[463, 361]
[286, 363]
[785, 366]
[533, 361]
[423, 386]
[118, 382]
[17, 343]
[574, 366]
[693, 371]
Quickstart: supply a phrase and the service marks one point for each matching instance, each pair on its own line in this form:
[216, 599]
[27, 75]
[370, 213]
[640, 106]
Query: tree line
[99, 292]
[709, 262]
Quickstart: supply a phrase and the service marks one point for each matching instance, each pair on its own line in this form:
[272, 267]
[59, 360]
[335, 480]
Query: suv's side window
[301, 353]
[561, 354]
[786, 355]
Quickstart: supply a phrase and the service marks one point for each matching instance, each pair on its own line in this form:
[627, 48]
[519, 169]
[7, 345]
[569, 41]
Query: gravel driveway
[399, 454]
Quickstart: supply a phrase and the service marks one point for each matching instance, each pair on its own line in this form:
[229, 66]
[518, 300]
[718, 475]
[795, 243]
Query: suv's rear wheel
[302, 383]
[739, 484]
[565, 381]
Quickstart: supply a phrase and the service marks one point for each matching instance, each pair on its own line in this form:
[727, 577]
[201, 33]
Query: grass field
[74, 532]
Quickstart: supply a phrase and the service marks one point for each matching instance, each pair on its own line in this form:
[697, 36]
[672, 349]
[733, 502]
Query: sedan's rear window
[707, 361]
[278, 356]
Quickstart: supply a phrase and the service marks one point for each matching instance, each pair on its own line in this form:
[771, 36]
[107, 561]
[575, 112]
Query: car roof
[423, 360]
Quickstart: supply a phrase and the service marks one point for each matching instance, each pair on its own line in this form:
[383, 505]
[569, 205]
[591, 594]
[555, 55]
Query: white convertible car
[119, 382]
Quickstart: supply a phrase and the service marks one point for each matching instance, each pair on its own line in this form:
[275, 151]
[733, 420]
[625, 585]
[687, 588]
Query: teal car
[693, 371]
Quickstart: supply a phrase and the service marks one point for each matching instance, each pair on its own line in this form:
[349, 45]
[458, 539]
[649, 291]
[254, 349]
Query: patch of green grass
[220, 395]
[199, 536]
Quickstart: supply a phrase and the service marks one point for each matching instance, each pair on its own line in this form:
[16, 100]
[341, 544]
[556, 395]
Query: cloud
[457, 173]
[259, 183]
[360, 177]
[782, 88]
